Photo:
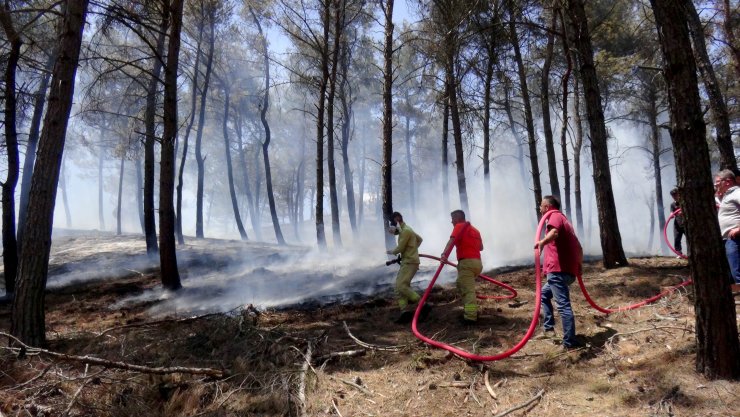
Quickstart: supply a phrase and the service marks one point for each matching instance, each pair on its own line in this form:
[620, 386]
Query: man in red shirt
[563, 262]
[468, 241]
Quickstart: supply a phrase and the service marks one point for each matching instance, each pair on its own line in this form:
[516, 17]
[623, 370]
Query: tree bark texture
[28, 315]
[200, 160]
[266, 144]
[167, 252]
[387, 163]
[10, 245]
[532, 138]
[186, 139]
[552, 167]
[577, 146]
[120, 194]
[611, 239]
[345, 96]
[229, 169]
[337, 5]
[718, 348]
[720, 117]
[33, 141]
[451, 79]
[320, 231]
[655, 152]
[150, 225]
[564, 129]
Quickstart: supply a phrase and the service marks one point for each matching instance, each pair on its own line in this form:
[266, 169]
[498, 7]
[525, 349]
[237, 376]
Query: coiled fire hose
[463, 353]
[538, 292]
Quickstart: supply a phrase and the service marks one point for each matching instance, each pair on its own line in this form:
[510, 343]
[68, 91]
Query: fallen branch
[488, 385]
[76, 394]
[371, 346]
[345, 354]
[302, 383]
[519, 407]
[156, 322]
[91, 360]
[472, 392]
[454, 384]
[352, 384]
[685, 329]
[334, 403]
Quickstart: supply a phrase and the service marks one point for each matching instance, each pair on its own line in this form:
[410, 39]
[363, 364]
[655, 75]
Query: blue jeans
[557, 286]
[732, 249]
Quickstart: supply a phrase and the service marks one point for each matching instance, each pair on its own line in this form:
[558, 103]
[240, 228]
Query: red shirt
[564, 254]
[469, 244]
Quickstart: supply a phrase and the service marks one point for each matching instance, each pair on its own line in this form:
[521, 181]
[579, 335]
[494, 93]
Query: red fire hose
[649, 300]
[538, 292]
[463, 353]
[665, 234]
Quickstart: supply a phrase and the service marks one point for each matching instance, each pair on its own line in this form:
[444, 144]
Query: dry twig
[488, 385]
[91, 360]
[371, 346]
[302, 383]
[520, 406]
[334, 403]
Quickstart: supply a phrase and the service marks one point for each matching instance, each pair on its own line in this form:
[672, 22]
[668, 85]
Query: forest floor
[350, 359]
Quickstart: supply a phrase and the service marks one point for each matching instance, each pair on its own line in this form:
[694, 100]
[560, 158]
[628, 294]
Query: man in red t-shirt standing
[563, 262]
[468, 241]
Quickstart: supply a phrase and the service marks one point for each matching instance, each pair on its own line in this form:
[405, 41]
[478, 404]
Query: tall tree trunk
[651, 207]
[229, 169]
[387, 164]
[512, 127]
[266, 144]
[167, 251]
[33, 141]
[451, 79]
[199, 159]
[186, 140]
[150, 226]
[139, 188]
[120, 194]
[245, 177]
[10, 245]
[333, 200]
[729, 34]
[63, 186]
[720, 117]
[564, 129]
[487, 84]
[28, 315]
[410, 166]
[718, 348]
[655, 153]
[320, 232]
[101, 160]
[529, 121]
[361, 210]
[611, 238]
[257, 185]
[445, 154]
[552, 166]
[577, 146]
[345, 97]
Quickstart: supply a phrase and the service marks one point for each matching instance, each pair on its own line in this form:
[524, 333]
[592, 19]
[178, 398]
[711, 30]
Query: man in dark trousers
[679, 225]
[563, 262]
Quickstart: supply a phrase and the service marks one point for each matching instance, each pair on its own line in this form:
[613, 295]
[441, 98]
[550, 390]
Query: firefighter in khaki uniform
[408, 248]
[469, 244]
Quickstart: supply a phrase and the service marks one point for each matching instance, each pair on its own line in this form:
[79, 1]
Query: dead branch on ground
[302, 380]
[520, 406]
[395, 348]
[91, 360]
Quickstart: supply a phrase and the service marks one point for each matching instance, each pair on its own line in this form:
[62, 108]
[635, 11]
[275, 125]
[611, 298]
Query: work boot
[548, 334]
[466, 321]
[404, 318]
[425, 310]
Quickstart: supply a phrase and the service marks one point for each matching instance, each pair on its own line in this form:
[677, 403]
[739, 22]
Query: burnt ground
[303, 361]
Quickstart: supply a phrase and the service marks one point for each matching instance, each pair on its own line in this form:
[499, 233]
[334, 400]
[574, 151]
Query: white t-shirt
[729, 211]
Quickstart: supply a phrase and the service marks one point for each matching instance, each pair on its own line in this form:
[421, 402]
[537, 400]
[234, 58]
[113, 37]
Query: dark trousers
[678, 233]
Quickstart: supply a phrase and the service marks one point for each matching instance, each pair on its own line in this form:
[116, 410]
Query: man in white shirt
[728, 192]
